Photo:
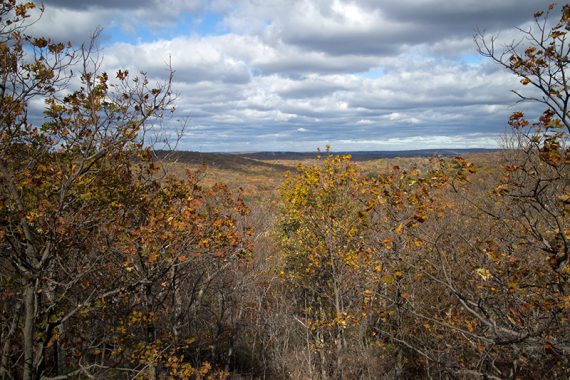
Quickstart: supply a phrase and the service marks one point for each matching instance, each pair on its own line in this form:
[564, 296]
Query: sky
[296, 75]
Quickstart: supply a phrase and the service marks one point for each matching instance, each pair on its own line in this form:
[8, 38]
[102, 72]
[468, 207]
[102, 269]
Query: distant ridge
[364, 155]
[244, 160]
[217, 160]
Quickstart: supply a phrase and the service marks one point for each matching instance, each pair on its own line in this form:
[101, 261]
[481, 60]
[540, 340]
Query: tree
[324, 254]
[91, 229]
[342, 236]
[490, 282]
[487, 284]
[540, 60]
[473, 270]
[542, 178]
[60, 179]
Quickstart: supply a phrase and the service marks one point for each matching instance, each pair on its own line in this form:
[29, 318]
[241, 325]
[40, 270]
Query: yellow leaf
[388, 279]
[399, 229]
[484, 273]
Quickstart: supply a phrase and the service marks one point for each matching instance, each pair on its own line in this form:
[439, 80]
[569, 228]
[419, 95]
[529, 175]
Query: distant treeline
[365, 155]
[218, 157]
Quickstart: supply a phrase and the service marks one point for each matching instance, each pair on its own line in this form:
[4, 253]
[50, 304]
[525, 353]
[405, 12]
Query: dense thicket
[107, 265]
[111, 268]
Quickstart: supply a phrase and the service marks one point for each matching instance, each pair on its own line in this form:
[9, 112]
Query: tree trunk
[150, 328]
[338, 331]
[28, 332]
[4, 373]
[399, 365]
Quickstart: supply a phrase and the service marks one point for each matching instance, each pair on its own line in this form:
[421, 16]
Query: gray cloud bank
[298, 74]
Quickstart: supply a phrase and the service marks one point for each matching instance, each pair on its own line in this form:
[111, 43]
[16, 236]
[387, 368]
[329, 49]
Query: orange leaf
[399, 229]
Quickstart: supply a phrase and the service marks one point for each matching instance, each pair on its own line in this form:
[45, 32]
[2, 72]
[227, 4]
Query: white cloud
[296, 74]
[423, 142]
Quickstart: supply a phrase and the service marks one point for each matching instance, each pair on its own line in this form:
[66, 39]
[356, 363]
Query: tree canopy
[111, 266]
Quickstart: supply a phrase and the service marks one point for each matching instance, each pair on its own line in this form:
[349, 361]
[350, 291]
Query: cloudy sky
[299, 74]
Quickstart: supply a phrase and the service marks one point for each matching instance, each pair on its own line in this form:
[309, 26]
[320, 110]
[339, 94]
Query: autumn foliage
[435, 271]
[110, 267]
[105, 260]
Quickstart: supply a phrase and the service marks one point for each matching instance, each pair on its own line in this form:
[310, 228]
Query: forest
[117, 262]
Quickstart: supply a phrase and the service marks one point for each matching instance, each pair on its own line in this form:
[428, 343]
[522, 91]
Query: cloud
[373, 27]
[298, 74]
[132, 7]
[75, 21]
[194, 59]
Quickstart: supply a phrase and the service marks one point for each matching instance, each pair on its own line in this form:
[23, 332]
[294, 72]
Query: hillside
[364, 155]
[258, 175]
[225, 161]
